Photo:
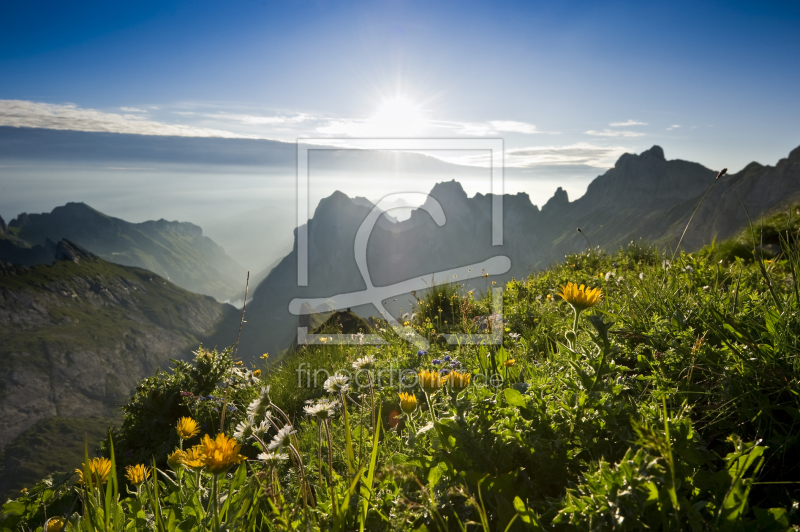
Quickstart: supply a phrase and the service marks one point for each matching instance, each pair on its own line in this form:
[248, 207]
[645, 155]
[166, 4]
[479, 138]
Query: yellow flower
[187, 427]
[408, 402]
[256, 373]
[193, 457]
[323, 340]
[510, 362]
[137, 474]
[175, 460]
[580, 298]
[430, 381]
[54, 524]
[405, 323]
[458, 380]
[549, 297]
[220, 453]
[100, 468]
[239, 362]
[265, 356]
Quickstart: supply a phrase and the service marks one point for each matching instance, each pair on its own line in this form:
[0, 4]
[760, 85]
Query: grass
[673, 406]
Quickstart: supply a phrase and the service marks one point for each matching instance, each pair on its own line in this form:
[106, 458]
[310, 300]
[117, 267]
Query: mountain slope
[643, 196]
[175, 250]
[77, 336]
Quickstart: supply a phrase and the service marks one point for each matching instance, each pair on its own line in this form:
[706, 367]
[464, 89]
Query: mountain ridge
[643, 196]
[176, 250]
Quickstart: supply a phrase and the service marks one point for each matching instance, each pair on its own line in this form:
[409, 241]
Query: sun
[399, 117]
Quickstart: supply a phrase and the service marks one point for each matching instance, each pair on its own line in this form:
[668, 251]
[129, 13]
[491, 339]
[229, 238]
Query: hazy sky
[570, 86]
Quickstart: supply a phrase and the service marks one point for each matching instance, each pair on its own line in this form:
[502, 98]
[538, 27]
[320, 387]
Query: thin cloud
[583, 154]
[627, 123]
[670, 128]
[21, 113]
[132, 110]
[614, 133]
[492, 127]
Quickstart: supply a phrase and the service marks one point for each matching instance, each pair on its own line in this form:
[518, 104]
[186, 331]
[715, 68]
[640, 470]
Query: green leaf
[514, 398]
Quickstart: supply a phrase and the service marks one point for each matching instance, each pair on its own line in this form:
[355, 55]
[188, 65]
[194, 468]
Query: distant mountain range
[643, 196]
[177, 251]
[76, 337]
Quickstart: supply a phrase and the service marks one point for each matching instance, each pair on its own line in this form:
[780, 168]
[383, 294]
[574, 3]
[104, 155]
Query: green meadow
[661, 392]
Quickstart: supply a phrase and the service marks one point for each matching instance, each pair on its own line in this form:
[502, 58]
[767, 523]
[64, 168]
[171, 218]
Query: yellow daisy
[137, 474]
[187, 427]
[580, 298]
[430, 381]
[408, 402]
[220, 453]
[458, 380]
[100, 468]
[193, 458]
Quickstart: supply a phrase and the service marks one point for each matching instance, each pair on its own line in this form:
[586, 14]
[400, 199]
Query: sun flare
[399, 116]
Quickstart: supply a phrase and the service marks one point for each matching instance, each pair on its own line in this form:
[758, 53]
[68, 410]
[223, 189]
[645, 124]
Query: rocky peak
[559, 200]
[66, 250]
[448, 190]
[20, 221]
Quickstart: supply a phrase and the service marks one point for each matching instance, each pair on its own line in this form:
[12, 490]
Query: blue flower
[231, 408]
[421, 353]
[214, 409]
[436, 361]
[444, 372]
[447, 358]
[455, 364]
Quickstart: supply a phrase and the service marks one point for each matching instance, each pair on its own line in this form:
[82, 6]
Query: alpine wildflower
[193, 458]
[580, 298]
[272, 459]
[137, 474]
[282, 439]
[408, 402]
[364, 363]
[99, 468]
[322, 410]
[430, 381]
[336, 384]
[220, 453]
[258, 407]
[458, 380]
[175, 460]
[187, 428]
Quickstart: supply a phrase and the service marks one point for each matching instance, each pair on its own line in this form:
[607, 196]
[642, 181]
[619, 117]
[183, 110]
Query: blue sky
[573, 83]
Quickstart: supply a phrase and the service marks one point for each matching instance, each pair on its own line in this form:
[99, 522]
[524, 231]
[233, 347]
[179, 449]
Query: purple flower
[444, 372]
[455, 364]
[421, 353]
[447, 358]
[436, 361]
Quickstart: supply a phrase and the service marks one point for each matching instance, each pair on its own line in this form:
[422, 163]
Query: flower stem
[430, 407]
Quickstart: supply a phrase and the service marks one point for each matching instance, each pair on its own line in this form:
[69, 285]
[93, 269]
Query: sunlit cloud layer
[614, 133]
[627, 123]
[582, 153]
[21, 113]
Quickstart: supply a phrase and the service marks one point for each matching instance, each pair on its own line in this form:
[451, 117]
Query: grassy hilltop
[668, 403]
